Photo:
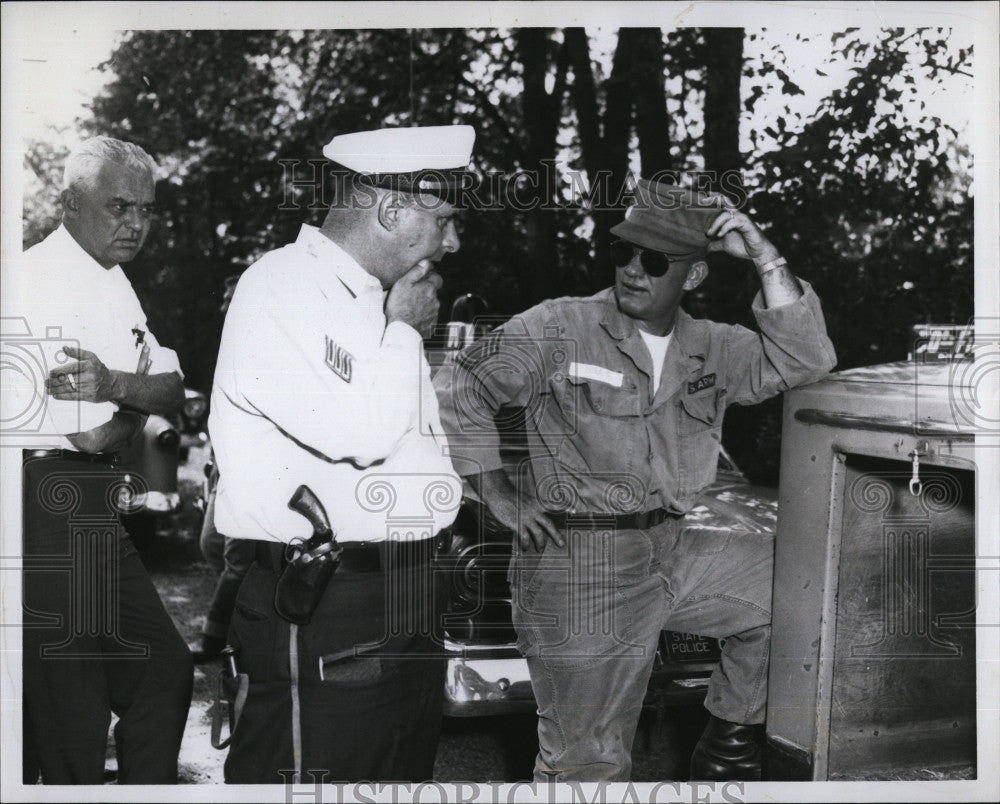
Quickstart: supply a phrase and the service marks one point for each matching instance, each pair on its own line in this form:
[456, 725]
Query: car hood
[732, 504]
[729, 503]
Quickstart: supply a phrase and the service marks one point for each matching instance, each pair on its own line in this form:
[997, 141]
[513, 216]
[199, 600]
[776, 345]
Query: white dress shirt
[312, 387]
[56, 295]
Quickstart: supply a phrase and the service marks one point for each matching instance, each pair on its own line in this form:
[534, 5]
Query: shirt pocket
[601, 425]
[701, 412]
[699, 429]
[601, 399]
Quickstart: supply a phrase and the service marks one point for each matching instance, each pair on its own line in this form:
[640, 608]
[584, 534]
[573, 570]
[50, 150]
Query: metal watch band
[767, 267]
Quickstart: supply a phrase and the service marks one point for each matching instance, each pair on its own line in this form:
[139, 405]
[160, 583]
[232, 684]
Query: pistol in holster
[308, 564]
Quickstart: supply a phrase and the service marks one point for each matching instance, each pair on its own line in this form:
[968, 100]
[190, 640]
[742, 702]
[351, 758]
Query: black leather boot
[728, 752]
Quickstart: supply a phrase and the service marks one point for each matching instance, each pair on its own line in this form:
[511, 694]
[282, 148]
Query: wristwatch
[767, 267]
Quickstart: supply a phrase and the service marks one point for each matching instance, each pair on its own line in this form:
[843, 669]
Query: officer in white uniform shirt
[98, 372]
[322, 381]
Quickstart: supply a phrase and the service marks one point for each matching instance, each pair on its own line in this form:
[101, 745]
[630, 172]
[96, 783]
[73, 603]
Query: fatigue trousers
[588, 617]
[96, 637]
[355, 695]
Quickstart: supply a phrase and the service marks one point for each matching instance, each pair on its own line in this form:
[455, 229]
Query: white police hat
[425, 159]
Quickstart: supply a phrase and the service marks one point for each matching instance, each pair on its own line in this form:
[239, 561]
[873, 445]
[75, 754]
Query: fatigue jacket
[600, 440]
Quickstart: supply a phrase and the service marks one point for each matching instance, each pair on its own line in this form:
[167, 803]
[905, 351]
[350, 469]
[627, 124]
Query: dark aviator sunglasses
[653, 262]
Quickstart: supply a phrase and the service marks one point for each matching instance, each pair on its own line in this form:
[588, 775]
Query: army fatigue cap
[669, 219]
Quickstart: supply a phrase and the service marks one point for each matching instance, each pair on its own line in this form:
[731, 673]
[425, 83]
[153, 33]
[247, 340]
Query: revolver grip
[303, 501]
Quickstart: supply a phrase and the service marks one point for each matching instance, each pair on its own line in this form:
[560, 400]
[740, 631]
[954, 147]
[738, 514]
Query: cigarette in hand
[72, 382]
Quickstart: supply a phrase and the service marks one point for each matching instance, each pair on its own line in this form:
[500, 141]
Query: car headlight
[195, 407]
[168, 438]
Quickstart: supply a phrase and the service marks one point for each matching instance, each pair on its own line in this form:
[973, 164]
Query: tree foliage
[868, 202]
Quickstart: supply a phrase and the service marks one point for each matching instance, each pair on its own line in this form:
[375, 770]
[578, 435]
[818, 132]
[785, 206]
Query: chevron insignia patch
[339, 360]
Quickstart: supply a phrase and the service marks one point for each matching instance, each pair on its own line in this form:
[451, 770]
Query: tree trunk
[636, 82]
[542, 113]
[724, 66]
[650, 102]
[727, 294]
[619, 92]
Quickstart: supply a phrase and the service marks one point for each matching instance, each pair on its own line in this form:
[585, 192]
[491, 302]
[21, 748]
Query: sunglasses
[653, 262]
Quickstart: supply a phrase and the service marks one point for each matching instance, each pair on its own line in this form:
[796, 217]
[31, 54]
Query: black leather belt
[641, 520]
[359, 556]
[102, 458]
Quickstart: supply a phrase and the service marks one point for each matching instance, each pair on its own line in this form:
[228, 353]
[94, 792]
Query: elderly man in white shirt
[96, 636]
[322, 381]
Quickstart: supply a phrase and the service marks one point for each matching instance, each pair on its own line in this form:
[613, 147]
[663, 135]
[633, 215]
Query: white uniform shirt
[312, 387]
[56, 294]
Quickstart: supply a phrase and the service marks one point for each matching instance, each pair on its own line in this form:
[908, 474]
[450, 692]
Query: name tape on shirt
[708, 381]
[339, 360]
[585, 371]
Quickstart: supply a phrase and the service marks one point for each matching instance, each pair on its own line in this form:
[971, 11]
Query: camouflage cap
[669, 219]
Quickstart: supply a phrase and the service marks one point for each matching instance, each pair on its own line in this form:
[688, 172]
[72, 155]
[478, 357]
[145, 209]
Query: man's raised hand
[734, 233]
[413, 299]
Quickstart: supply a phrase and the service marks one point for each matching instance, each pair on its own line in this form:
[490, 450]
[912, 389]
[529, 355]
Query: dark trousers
[373, 712]
[231, 558]
[96, 637]
[220, 609]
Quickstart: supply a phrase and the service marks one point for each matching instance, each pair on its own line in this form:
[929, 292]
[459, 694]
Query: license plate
[678, 647]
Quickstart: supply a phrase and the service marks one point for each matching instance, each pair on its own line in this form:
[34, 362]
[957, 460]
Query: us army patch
[701, 383]
[339, 360]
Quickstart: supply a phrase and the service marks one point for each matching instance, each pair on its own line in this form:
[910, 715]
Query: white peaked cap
[403, 150]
